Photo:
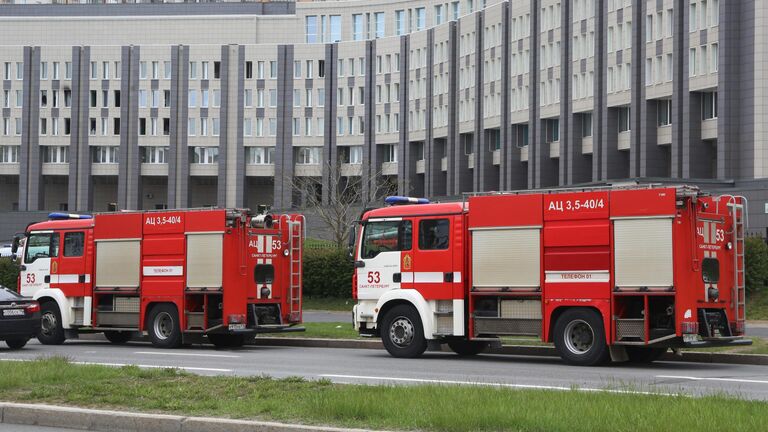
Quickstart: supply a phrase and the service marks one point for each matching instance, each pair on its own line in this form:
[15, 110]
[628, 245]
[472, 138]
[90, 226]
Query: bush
[327, 273]
[9, 271]
[756, 275]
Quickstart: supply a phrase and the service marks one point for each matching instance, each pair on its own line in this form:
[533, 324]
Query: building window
[260, 155]
[205, 155]
[664, 115]
[709, 106]
[104, 154]
[380, 24]
[390, 153]
[624, 119]
[358, 27]
[354, 155]
[311, 28]
[249, 70]
[400, 23]
[586, 125]
[55, 154]
[9, 154]
[192, 70]
[154, 155]
[297, 69]
[308, 156]
[335, 28]
[273, 69]
[421, 19]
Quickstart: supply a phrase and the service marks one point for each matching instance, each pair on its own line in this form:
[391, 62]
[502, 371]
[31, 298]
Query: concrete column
[231, 183]
[638, 141]
[284, 146]
[535, 137]
[406, 164]
[452, 139]
[732, 139]
[330, 153]
[178, 152]
[129, 179]
[681, 44]
[483, 158]
[569, 150]
[370, 169]
[600, 94]
[80, 193]
[432, 171]
[31, 189]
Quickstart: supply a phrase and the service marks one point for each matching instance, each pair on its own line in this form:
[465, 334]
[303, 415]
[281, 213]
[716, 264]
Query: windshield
[386, 237]
[41, 246]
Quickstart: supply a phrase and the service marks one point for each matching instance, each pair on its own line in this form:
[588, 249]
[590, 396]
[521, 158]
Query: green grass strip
[429, 407]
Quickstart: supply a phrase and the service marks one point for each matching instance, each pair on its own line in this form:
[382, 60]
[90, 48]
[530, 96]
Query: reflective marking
[161, 353]
[491, 384]
[68, 278]
[163, 270]
[692, 378]
[577, 276]
[422, 277]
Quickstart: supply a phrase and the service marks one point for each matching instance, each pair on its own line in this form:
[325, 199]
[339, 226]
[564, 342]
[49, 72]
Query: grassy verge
[328, 304]
[438, 408]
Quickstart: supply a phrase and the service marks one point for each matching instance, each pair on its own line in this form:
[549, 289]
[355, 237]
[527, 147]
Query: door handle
[23, 268]
[448, 277]
[359, 264]
[397, 277]
[47, 279]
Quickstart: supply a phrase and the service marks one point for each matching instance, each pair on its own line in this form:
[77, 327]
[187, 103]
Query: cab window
[710, 270]
[386, 237]
[73, 244]
[41, 246]
[434, 234]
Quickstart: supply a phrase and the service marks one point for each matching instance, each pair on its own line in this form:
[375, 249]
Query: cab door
[68, 272]
[39, 249]
[383, 256]
[433, 270]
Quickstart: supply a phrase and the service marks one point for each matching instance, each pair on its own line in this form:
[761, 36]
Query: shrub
[327, 273]
[9, 271]
[756, 275]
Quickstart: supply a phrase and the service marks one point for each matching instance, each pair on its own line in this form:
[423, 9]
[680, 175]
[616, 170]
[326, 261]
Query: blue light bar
[401, 200]
[63, 216]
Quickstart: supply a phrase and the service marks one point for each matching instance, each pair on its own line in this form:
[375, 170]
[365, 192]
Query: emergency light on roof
[401, 200]
[62, 216]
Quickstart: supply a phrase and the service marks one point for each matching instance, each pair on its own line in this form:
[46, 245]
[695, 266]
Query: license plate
[687, 338]
[13, 312]
[237, 326]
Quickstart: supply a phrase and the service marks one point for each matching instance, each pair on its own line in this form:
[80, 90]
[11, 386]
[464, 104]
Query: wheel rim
[401, 332]
[579, 337]
[48, 324]
[163, 325]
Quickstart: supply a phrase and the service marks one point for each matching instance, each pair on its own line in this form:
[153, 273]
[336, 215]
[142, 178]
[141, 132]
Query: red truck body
[620, 272]
[177, 275]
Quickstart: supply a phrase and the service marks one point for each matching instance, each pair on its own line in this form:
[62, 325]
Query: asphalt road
[376, 366]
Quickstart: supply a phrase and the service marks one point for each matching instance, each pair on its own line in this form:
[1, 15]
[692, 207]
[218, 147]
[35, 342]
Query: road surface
[376, 366]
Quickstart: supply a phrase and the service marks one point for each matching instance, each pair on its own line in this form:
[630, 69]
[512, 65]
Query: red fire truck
[176, 275]
[617, 272]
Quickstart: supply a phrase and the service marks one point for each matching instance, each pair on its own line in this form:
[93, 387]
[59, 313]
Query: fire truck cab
[617, 272]
[175, 275]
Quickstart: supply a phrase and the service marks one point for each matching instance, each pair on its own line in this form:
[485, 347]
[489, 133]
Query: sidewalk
[113, 421]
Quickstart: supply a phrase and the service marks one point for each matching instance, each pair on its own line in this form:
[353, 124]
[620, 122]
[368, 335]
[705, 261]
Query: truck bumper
[724, 342]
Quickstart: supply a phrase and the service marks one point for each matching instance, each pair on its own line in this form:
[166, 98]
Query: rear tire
[466, 348]
[644, 354]
[580, 339]
[15, 344]
[163, 326]
[118, 337]
[51, 331]
[227, 340]
[403, 333]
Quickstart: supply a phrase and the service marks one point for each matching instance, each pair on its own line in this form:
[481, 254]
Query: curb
[122, 421]
[519, 350]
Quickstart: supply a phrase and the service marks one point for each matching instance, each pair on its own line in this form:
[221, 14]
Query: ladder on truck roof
[738, 208]
[681, 190]
[295, 243]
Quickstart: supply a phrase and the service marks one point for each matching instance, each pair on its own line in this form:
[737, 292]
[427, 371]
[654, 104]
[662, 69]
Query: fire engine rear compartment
[534, 255]
[202, 262]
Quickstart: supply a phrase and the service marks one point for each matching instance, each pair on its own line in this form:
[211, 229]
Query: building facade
[144, 106]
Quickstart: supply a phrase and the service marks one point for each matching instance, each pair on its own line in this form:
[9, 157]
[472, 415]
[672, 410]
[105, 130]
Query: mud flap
[618, 353]
[434, 345]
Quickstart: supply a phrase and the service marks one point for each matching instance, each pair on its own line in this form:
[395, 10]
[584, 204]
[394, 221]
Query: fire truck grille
[630, 329]
[445, 324]
[507, 326]
[127, 304]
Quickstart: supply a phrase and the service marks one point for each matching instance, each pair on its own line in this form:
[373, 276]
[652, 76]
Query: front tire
[227, 340]
[51, 330]
[580, 339]
[466, 348]
[403, 333]
[118, 337]
[644, 355]
[163, 326]
[15, 344]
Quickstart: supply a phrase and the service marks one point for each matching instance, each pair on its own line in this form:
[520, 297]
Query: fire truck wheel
[51, 331]
[580, 338]
[226, 340]
[15, 344]
[118, 337]
[402, 332]
[164, 330]
[644, 355]
[467, 348]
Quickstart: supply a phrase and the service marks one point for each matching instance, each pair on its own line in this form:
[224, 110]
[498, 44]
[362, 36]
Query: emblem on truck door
[407, 262]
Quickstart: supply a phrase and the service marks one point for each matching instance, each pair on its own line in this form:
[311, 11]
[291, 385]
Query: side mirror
[16, 240]
[351, 242]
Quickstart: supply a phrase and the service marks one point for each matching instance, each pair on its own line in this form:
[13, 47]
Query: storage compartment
[506, 258]
[117, 319]
[507, 326]
[643, 254]
[204, 260]
[630, 330]
[521, 309]
[117, 263]
[195, 320]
